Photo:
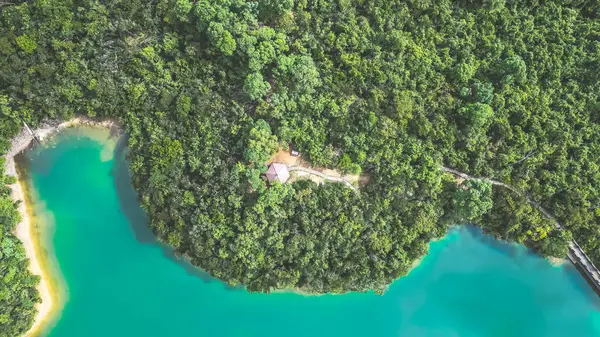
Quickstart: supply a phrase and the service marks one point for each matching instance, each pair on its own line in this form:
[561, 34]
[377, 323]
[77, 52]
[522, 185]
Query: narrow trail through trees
[575, 253]
[498, 183]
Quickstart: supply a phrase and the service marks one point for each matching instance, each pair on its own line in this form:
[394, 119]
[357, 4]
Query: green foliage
[221, 38]
[464, 71]
[271, 10]
[18, 293]
[261, 143]
[472, 200]
[299, 72]
[483, 92]
[556, 244]
[26, 43]
[345, 164]
[514, 69]
[392, 89]
[182, 9]
[255, 86]
[477, 115]
[513, 218]
[184, 105]
[5, 106]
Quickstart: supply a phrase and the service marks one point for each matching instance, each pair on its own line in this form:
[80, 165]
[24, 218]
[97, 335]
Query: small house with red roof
[277, 172]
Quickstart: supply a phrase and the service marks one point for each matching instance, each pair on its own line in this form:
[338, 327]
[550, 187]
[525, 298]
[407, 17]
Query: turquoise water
[121, 283]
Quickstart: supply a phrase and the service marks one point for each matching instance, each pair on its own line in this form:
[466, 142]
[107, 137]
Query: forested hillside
[393, 90]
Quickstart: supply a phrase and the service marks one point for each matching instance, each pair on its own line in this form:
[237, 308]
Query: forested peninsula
[207, 91]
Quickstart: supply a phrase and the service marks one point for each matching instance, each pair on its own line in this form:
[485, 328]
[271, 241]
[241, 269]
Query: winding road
[575, 253]
[498, 183]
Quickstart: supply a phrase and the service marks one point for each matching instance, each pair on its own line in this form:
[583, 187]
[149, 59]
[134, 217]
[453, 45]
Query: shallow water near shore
[120, 282]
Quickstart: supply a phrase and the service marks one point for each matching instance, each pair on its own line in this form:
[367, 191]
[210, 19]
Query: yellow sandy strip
[23, 232]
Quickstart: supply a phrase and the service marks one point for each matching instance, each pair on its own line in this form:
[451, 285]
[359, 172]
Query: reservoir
[117, 281]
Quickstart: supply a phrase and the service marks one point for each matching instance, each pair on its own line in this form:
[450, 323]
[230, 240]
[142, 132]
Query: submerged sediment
[25, 229]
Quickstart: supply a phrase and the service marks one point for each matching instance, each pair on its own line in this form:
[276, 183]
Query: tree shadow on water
[128, 200]
[137, 218]
[573, 273]
[503, 247]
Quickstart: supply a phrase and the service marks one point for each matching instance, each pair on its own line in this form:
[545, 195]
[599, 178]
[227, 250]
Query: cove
[120, 282]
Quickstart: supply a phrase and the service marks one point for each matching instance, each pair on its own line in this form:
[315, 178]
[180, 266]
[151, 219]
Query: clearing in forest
[301, 169]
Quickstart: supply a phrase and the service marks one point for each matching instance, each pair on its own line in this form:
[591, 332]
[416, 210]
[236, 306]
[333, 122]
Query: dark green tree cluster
[472, 200]
[394, 90]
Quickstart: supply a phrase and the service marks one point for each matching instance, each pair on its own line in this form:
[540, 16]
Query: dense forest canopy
[207, 90]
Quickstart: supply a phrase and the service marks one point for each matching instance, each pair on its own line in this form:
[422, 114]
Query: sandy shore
[24, 230]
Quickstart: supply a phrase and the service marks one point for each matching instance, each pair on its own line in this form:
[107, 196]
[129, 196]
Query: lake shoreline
[23, 232]
[115, 277]
[39, 265]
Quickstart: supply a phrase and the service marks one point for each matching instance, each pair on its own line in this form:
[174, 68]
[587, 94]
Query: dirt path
[322, 175]
[305, 171]
[575, 252]
[498, 183]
